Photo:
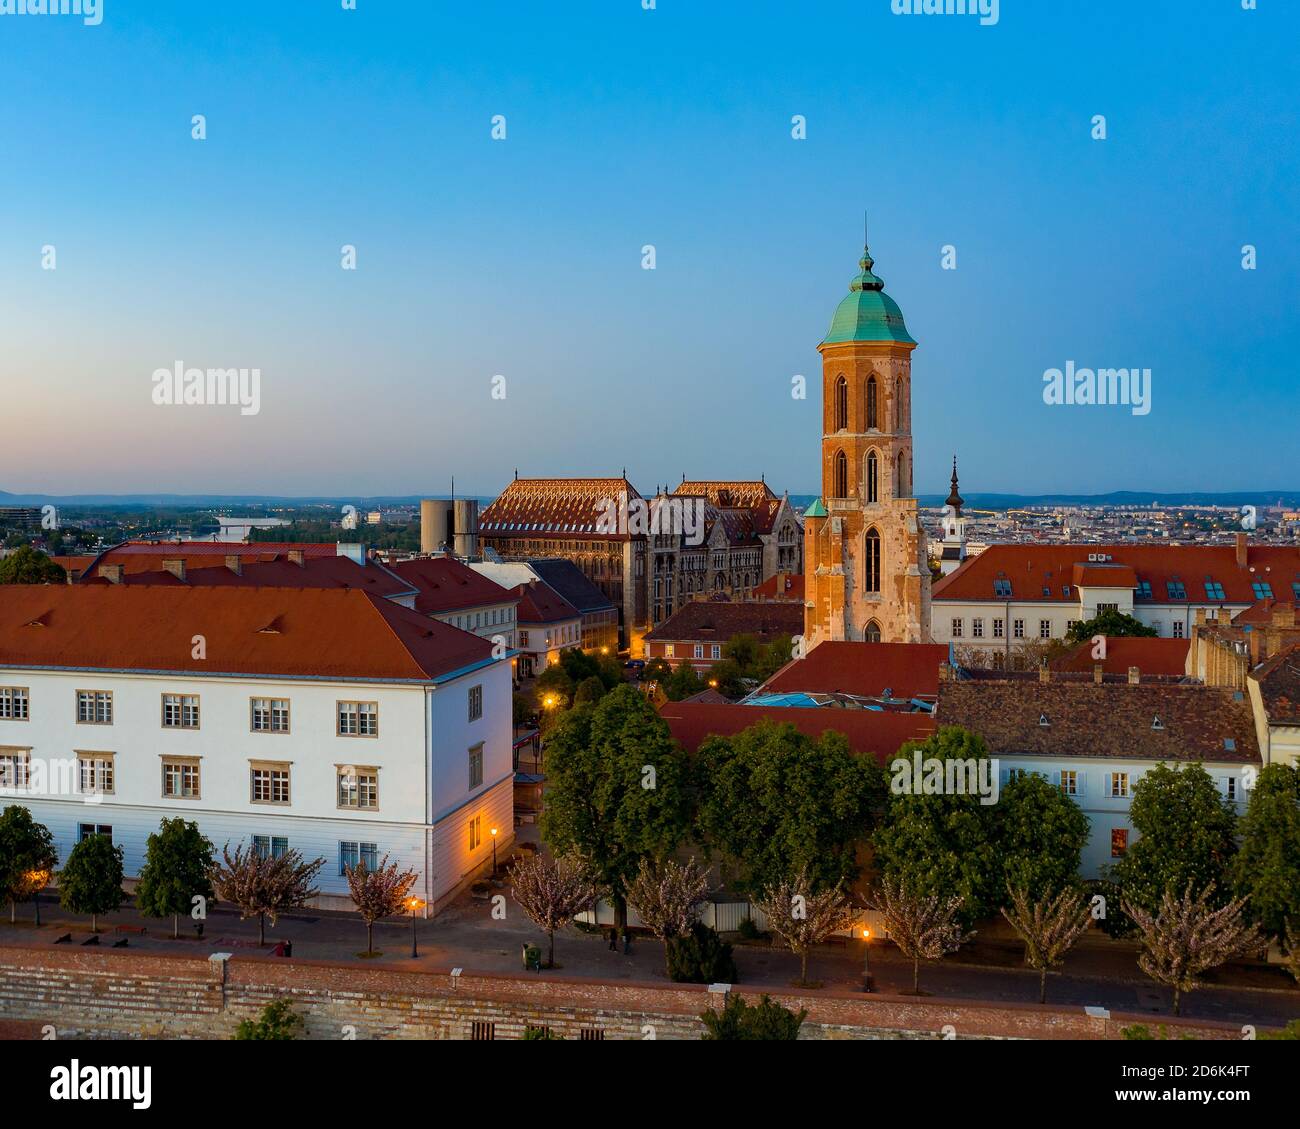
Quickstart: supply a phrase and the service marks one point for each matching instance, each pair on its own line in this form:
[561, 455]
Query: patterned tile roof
[568, 506]
[716, 621]
[1279, 686]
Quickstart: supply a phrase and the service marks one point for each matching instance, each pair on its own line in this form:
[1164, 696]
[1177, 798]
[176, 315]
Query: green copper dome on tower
[867, 313]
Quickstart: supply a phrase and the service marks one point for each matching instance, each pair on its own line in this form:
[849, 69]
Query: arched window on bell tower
[872, 633]
[873, 389]
[898, 406]
[871, 560]
[873, 476]
[841, 475]
[902, 491]
[841, 404]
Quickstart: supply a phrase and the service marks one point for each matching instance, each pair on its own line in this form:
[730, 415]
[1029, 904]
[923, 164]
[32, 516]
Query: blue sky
[670, 127]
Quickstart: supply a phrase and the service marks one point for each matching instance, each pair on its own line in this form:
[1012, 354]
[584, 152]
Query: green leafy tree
[1185, 836]
[278, 1021]
[177, 862]
[1112, 623]
[942, 844]
[1040, 835]
[27, 857]
[616, 789]
[91, 880]
[773, 801]
[1266, 869]
[683, 682]
[773, 656]
[699, 956]
[589, 690]
[656, 670]
[29, 566]
[726, 677]
[521, 709]
[764, 1020]
[743, 650]
[555, 682]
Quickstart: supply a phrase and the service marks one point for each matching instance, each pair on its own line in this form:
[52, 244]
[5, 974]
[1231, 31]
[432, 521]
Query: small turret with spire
[955, 500]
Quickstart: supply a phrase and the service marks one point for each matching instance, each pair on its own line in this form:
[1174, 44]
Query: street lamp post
[866, 959]
[415, 905]
[494, 852]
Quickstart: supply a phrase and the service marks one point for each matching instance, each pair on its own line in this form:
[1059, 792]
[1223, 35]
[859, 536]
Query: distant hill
[1122, 498]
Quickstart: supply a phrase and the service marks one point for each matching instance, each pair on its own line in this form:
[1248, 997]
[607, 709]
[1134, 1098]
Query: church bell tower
[867, 572]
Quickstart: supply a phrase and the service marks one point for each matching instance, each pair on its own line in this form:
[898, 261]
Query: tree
[555, 683]
[378, 893]
[699, 956]
[264, 886]
[923, 926]
[26, 565]
[278, 1021]
[177, 866]
[1111, 623]
[764, 1020]
[521, 708]
[802, 916]
[743, 650]
[1189, 935]
[656, 670]
[683, 682]
[773, 656]
[27, 857]
[616, 789]
[91, 880]
[1266, 869]
[589, 690]
[772, 801]
[1291, 951]
[727, 678]
[552, 892]
[943, 843]
[1185, 836]
[667, 896]
[1049, 928]
[1040, 834]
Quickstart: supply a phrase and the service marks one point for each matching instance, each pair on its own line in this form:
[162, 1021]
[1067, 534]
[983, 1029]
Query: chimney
[1283, 615]
[296, 556]
[1272, 641]
[111, 572]
[176, 566]
[235, 563]
[1254, 637]
[1200, 617]
[1097, 670]
[1241, 550]
[1044, 672]
[1134, 676]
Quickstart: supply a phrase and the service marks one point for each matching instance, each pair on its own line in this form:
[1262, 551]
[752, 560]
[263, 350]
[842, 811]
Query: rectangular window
[1263, 590]
[475, 702]
[715, 651]
[358, 787]
[523, 638]
[1044, 628]
[475, 832]
[1230, 787]
[86, 830]
[14, 705]
[358, 719]
[1143, 590]
[1018, 628]
[957, 628]
[1213, 590]
[1119, 785]
[15, 769]
[95, 773]
[977, 628]
[1178, 629]
[270, 715]
[1118, 842]
[94, 707]
[699, 650]
[180, 778]
[476, 766]
[269, 783]
[270, 846]
[180, 711]
[1070, 625]
[1107, 608]
[1070, 782]
[1176, 589]
[1002, 589]
[669, 651]
[998, 626]
[353, 854]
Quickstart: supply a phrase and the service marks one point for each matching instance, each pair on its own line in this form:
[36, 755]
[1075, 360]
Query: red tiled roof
[1279, 686]
[719, 621]
[1104, 576]
[1156, 657]
[1031, 568]
[444, 584]
[745, 494]
[568, 506]
[878, 733]
[792, 587]
[323, 633]
[266, 549]
[907, 670]
[257, 572]
[1262, 614]
[540, 603]
[73, 565]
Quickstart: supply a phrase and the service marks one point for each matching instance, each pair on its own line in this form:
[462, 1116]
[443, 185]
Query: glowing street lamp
[414, 904]
[494, 852]
[866, 959]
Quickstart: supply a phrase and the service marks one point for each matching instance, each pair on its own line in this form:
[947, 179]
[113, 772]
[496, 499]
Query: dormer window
[1043, 722]
[1156, 724]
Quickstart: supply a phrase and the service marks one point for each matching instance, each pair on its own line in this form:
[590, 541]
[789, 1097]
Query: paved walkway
[468, 935]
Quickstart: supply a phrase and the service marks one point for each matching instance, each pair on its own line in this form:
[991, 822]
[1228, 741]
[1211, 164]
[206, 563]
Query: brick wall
[131, 995]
